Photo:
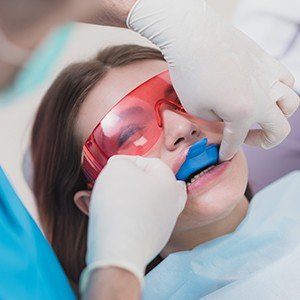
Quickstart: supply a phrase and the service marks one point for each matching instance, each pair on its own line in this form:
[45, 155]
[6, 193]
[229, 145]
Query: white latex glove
[218, 72]
[134, 207]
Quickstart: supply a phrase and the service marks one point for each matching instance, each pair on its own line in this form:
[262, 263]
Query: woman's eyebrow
[169, 91]
[131, 111]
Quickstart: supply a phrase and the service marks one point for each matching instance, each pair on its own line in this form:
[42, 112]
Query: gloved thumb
[234, 135]
[182, 195]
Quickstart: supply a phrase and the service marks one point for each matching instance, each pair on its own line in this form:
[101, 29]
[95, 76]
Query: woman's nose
[178, 130]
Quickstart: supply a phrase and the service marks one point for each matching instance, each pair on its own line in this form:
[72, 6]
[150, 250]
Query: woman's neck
[187, 240]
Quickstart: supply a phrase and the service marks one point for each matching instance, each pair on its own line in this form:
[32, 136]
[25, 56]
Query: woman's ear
[82, 201]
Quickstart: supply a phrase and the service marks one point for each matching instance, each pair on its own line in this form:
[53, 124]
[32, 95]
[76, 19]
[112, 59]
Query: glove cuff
[85, 275]
[130, 14]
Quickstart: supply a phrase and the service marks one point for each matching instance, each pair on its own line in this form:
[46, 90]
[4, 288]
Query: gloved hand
[218, 72]
[134, 207]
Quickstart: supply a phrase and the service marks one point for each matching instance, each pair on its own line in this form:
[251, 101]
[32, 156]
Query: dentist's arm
[134, 207]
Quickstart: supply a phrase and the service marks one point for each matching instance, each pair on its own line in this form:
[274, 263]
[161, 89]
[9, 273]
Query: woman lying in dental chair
[122, 102]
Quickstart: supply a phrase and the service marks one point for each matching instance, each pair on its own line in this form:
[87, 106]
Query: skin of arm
[105, 12]
[112, 283]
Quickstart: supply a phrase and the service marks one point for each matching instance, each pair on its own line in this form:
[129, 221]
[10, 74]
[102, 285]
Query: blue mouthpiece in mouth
[200, 157]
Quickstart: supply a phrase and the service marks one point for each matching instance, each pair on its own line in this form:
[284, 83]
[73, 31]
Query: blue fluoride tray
[200, 156]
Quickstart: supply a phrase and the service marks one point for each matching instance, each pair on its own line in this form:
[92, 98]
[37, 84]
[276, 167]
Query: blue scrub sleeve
[29, 268]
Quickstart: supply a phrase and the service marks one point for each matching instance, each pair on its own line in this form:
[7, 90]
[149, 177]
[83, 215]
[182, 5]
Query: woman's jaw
[183, 239]
[215, 206]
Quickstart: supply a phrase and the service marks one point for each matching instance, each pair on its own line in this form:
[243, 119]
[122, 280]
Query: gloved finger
[148, 164]
[285, 76]
[234, 134]
[274, 130]
[142, 163]
[254, 137]
[133, 162]
[287, 99]
[121, 159]
[153, 165]
[182, 195]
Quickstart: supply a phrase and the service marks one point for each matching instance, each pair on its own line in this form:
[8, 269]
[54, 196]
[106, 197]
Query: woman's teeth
[199, 175]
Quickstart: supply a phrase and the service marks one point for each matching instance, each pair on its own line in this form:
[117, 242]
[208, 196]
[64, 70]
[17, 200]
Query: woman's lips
[208, 179]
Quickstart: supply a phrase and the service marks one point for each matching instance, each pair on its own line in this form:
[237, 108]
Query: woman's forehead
[117, 83]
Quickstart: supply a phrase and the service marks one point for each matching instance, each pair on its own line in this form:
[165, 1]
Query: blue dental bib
[200, 156]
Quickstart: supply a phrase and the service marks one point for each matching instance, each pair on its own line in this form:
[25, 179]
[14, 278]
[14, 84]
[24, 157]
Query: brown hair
[56, 152]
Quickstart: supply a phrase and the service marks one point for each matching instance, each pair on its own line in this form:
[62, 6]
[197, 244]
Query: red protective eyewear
[132, 126]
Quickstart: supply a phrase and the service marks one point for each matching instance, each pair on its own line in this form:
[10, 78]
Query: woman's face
[213, 195]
